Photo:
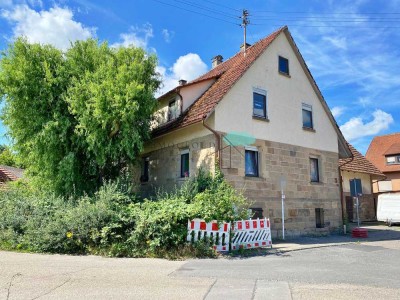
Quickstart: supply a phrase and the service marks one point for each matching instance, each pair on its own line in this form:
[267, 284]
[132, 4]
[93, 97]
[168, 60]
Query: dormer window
[393, 160]
[172, 110]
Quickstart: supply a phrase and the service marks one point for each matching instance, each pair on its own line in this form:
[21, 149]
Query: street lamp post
[283, 183]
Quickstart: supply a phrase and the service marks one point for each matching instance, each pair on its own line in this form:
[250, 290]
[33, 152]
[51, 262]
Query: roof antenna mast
[245, 22]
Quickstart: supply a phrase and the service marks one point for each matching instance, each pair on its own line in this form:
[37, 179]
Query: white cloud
[355, 128]
[364, 101]
[167, 35]
[54, 26]
[187, 67]
[338, 42]
[337, 111]
[137, 36]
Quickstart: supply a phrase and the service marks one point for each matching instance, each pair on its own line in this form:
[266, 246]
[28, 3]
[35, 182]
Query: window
[391, 160]
[185, 163]
[307, 116]
[145, 170]
[259, 103]
[251, 162]
[172, 110]
[283, 65]
[319, 218]
[355, 187]
[314, 170]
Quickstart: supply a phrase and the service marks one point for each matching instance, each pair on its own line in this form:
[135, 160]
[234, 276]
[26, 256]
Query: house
[261, 117]
[357, 174]
[384, 153]
[9, 174]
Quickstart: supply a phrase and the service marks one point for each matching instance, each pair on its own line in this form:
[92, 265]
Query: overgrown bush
[112, 222]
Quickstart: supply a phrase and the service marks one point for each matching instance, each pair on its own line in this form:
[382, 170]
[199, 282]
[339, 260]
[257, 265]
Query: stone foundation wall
[302, 196]
[275, 160]
[165, 163]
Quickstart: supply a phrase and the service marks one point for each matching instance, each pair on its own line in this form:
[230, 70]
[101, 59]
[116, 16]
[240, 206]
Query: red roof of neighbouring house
[382, 146]
[227, 74]
[10, 173]
[358, 164]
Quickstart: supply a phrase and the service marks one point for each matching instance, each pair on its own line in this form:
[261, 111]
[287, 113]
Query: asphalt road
[367, 270]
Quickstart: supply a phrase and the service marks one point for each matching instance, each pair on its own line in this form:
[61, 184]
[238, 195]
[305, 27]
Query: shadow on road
[282, 248]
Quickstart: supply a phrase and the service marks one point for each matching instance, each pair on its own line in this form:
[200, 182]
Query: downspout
[341, 189]
[217, 140]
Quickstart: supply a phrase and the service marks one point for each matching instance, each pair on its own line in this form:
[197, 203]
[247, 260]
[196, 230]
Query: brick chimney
[217, 60]
[182, 82]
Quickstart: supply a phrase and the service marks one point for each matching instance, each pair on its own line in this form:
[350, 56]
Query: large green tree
[77, 117]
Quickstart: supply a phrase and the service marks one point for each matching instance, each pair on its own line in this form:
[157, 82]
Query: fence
[242, 234]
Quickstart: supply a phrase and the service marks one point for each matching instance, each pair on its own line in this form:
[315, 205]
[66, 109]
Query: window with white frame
[251, 161]
[393, 159]
[185, 163]
[307, 116]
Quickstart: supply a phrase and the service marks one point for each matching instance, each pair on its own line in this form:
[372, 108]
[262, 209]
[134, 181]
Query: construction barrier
[242, 234]
[251, 234]
[212, 232]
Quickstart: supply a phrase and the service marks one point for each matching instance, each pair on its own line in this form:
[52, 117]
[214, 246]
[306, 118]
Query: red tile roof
[358, 164]
[381, 146]
[227, 74]
[393, 150]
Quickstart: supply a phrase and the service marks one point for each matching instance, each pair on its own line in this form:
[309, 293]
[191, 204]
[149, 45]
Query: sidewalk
[376, 232]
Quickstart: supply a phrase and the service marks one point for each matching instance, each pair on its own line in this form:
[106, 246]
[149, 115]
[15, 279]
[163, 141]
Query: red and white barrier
[251, 234]
[217, 234]
[242, 234]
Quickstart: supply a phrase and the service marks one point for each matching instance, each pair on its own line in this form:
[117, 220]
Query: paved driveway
[366, 270]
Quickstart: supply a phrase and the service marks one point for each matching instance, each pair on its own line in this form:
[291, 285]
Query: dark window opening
[283, 65]
[319, 218]
[145, 170]
[307, 119]
[185, 165]
[259, 105]
[257, 213]
[314, 171]
[251, 163]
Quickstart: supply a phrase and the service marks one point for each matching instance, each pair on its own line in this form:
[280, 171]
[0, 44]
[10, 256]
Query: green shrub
[112, 222]
[162, 225]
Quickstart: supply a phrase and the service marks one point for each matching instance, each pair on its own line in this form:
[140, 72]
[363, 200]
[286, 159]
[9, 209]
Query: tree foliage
[78, 117]
[7, 157]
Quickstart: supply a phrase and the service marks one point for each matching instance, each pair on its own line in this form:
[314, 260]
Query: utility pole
[245, 22]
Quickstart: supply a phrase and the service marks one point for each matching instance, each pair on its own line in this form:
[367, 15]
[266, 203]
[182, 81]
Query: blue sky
[351, 47]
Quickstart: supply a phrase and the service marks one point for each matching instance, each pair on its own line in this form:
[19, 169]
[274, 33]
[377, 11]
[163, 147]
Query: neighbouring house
[384, 153]
[262, 119]
[357, 175]
[8, 174]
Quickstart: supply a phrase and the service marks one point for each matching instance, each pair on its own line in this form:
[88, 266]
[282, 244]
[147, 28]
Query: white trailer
[389, 208]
